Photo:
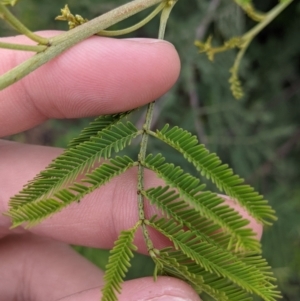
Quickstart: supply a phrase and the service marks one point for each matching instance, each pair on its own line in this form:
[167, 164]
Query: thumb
[144, 289]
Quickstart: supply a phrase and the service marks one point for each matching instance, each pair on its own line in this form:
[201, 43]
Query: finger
[68, 276]
[97, 76]
[144, 289]
[98, 219]
[35, 268]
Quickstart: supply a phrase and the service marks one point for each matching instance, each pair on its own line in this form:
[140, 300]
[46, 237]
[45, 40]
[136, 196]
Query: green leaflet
[217, 287]
[208, 204]
[168, 265]
[101, 123]
[118, 264]
[212, 168]
[204, 228]
[35, 212]
[254, 279]
[74, 162]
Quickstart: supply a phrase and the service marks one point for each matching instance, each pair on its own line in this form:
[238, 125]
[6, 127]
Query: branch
[7, 16]
[64, 41]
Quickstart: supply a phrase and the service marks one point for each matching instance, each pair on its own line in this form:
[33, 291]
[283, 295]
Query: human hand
[97, 76]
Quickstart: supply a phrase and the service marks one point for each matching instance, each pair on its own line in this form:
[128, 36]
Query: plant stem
[66, 40]
[6, 15]
[34, 48]
[146, 127]
[113, 33]
[251, 34]
[269, 17]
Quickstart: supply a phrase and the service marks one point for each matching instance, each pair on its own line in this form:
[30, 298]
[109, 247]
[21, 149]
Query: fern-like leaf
[224, 264]
[208, 204]
[209, 284]
[212, 168]
[217, 287]
[118, 265]
[73, 162]
[101, 123]
[35, 212]
[189, 216]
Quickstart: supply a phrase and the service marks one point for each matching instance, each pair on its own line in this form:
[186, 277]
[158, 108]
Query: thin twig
[33, 48]
[7, 16]
[70, 38]
[144, 143]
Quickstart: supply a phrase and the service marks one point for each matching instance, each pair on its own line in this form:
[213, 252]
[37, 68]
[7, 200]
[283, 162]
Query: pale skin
[97, 76]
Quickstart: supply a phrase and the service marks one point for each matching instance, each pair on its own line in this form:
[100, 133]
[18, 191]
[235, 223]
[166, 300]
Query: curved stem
[250, 35]
[70, 38]
[164, 18]
[6, 15]
[114, 33]
[146, 127]
[269, 17]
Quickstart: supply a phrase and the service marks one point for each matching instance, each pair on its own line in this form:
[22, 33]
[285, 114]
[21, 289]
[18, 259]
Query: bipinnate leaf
[206, 228]
[75, 162]
[211, 246]
[219, 288]
[255, 279]
[212, 168]
[207, 204]
[118, 264]
[35, 212]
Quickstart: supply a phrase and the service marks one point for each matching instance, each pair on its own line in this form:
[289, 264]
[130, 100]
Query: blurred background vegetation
[258, 135]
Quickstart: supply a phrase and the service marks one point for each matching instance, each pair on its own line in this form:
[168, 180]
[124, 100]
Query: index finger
[97, 76]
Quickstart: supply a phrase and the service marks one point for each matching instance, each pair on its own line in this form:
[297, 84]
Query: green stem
[240, 55]
[269, 17]
[146, 127]
[251, 34]
[6, 15]
[114, 33]
[34, 48]
[70, 38]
